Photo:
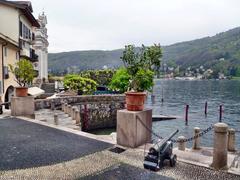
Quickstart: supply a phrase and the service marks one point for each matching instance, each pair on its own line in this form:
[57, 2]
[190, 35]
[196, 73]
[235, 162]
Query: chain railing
[194, 137]
[148, 129]
[205, 131]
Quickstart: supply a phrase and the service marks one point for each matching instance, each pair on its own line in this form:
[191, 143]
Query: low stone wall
[96, 111]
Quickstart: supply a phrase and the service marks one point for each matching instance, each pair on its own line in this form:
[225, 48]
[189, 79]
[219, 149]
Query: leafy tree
[120, 80]
[141, 62]
[23, 71]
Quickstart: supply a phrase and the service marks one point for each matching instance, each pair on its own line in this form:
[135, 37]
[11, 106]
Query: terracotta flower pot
[21, 91]
[135, 101]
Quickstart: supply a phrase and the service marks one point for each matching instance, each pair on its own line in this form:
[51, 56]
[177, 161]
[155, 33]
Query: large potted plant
[24, 75]
[140, 64]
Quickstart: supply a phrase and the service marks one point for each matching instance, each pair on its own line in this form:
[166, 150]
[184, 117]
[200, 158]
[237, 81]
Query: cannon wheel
[173, 160]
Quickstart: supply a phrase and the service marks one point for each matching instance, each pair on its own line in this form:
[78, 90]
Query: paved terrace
[36, 151]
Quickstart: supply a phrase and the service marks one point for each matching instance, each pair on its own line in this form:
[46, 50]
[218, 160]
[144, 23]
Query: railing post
[69, 109]
[186, 115]
[73, 113]
[181, 143]
[220, 113]
[220, 146]
[77, 117]
[231, 140]
[65, 108]
[55, 116]
[196, 141]
[205, 109]
[52, 105]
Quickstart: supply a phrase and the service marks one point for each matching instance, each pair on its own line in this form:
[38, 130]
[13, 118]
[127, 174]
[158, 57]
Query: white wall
[9, 22]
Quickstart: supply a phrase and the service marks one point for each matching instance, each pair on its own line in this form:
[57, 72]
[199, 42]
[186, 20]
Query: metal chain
[181, 140]
[194, 137]
[148, 129]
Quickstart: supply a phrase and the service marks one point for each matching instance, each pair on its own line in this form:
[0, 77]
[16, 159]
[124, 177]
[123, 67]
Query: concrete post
[55, 119]
[220, 146]
[196, 142]
[52, 105]
[231, 140]
[181, 143]
[77, 117]
[69, 110]
[65, 107]
[73, 113]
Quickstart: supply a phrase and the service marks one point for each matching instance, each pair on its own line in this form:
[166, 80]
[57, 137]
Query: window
[25, 32]
[20, 28]
[6, 72]
[5, 51]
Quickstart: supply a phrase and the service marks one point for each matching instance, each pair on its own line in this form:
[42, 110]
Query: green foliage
[120, 80]
[78, 83]
[23, 71]
[141, 64]
[102, 77]
[143, 80]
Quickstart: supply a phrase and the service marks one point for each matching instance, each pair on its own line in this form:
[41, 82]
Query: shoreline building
[41, 46]
[17, 25]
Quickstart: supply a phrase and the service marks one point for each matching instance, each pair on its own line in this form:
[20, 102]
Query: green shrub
[78, 83]
[102, 77]
[120, 81]
[23, 71]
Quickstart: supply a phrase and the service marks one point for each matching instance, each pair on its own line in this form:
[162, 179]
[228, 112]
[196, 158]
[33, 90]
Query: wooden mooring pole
[206, 107]
[186, 114]
[220, 112]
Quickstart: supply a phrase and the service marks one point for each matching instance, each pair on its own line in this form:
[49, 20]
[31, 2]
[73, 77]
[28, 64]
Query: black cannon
[158, 153]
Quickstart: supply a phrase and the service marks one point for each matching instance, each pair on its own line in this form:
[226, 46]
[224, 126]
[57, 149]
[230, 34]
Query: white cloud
[110, 24]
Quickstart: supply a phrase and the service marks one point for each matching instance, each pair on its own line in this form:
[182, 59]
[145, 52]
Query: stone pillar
[69, 110]
[55, 119]
[65, 108]
[52, 105]
[77, 117]
[181, 143]
[196, 142]
[22, 106]
[73, 113]
[231, 140]
[220, 146]
[131, 127]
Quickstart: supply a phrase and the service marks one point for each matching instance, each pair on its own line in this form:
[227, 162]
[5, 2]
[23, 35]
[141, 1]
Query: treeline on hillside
[220, 53]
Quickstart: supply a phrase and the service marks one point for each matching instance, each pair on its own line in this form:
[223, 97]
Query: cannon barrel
[164, 140]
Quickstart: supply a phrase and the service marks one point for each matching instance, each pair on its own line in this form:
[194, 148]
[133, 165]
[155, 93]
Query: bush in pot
[140, 64]
[24, 75]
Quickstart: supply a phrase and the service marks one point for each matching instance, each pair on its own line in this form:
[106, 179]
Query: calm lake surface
[178, 93]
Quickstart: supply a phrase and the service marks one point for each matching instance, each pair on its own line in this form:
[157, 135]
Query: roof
[25, 7]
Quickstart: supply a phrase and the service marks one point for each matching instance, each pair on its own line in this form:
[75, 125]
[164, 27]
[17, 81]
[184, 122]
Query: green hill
[208, 51]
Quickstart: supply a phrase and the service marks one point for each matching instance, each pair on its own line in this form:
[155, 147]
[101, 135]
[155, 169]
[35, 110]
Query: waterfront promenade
[31, 149]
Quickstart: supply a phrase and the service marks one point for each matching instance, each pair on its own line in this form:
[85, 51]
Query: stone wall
[96, 111]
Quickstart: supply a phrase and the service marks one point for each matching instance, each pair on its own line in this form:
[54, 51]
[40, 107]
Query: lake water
[176, 94]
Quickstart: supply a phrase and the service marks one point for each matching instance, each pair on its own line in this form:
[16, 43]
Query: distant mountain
[206, 51]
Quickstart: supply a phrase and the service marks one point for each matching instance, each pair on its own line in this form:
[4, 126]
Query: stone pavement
[25, 144]
[100, 163]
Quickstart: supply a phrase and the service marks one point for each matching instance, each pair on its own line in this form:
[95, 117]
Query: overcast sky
[111, 24]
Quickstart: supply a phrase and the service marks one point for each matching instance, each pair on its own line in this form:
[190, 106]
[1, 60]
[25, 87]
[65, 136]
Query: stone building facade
[41, 47]
[17, 25]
